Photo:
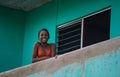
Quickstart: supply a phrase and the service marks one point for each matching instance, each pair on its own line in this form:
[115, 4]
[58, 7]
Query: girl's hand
[56, 56]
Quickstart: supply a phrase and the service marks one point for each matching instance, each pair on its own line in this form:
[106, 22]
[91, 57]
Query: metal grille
[69, 37]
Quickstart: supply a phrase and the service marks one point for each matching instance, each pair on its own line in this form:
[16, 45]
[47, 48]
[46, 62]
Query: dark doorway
[96, 28]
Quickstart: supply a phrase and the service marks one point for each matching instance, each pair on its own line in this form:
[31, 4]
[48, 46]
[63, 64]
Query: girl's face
[43, 36]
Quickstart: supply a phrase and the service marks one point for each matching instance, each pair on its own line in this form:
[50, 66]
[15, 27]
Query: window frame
[82, 25]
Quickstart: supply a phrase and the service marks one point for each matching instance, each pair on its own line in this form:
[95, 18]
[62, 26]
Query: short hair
[43, 30]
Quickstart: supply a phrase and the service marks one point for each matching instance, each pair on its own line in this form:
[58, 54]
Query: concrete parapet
[98, 60]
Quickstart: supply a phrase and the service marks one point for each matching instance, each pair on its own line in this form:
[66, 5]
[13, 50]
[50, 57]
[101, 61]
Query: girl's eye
[43, 35]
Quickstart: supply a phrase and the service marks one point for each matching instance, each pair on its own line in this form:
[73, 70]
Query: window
[96, 28]
[83, 32]
[69, 36]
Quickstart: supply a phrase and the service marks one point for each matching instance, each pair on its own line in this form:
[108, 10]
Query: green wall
[115, 21]
[55, 13]
[73, 9]
[11, 38]
[21, 30]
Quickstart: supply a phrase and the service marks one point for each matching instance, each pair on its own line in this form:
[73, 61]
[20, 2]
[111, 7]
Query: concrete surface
[24, 5]
[98, 60]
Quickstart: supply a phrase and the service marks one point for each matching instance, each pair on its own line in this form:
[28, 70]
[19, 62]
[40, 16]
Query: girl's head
[43, 35]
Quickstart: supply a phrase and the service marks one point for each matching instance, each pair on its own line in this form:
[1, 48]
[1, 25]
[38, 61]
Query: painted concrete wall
[115, 15]
[11, 38]
[59, 12]
[98, 60]
[47, 16]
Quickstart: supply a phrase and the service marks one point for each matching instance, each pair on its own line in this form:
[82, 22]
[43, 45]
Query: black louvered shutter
[69, 37]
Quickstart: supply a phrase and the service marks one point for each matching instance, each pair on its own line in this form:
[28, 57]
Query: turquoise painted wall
[11, 38]
[69, 10]
[43, 17]
[115, 22]
[107, 65]
[21, 30]
[72, 9]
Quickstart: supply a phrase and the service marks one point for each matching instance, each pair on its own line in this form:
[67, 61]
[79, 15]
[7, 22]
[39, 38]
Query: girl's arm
[53, 49]
[35, 57]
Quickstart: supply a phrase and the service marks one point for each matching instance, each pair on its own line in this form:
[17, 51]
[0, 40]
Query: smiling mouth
[44, 39]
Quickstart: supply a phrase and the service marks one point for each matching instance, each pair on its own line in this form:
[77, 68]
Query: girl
[43, 50]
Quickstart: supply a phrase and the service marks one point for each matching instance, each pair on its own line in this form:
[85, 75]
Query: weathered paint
[71, 70]
[98, 60]
[107, 65]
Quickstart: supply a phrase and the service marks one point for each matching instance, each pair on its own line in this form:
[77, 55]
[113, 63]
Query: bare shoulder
[36, 44]
[52, 45]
